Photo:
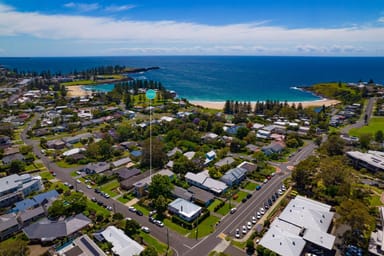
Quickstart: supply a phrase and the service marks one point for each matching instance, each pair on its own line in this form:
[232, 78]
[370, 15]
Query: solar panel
[89, 247]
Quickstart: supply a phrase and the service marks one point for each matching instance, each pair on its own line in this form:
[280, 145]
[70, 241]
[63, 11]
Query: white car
[280, 192]
[258, 215]
[233, 210]
[245, 230]
[237, 233]
[249, 225]
[78, 181]
[89, 186]
[283, 187]
[262, 211]
[145, 229]
[254, 220]
[131, 209]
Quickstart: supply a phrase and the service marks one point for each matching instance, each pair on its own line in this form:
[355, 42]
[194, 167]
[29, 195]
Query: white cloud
[82, 7]
[172, 36]
[119, 8]
[381, 19]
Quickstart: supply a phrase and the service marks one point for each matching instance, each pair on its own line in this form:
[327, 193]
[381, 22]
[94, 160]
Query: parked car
[140, 213]
[270, 202]
[249, 196]
[131, 209]
[280, 192]
[97, 191]
[145, 229]
[254, 220]
[258, 187]
[249, 225]
[244, 200]
[94, 199]
[262, 211]
[159, 223]
[237, 233]
[258, 215]
[273, 198]
[244, 230]
[233, 210]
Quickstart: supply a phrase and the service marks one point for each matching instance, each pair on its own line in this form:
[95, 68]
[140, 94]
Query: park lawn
[205, 228]
[374, 201]
[250, 186]
[80, 82]
[224, 210]
[238, 244]
[109, 187]
[151, 241]
[175, 227]
[214, 204]
[241, 195]
[375, 124]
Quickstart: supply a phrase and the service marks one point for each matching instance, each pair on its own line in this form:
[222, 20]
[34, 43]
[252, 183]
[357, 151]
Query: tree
[356, 214]
[242, 132]
[303, 172]
[236, 145]
[250, 246]
[157, 153]
[334, 145]
[365, 140]
[379, 136]
[160, 204]
[160, 186]
[131, 228]
[16, 166]
[149, 251]
[13, 247]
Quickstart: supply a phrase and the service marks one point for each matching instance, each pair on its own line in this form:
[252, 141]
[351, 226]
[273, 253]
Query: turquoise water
[217, 78]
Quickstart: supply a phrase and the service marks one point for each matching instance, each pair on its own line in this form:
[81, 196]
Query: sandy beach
[77, 91]
[220, 104]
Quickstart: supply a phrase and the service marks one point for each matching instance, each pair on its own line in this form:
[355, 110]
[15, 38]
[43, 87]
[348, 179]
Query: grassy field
[241, 195]
[109, 188]
[206, 227]
[374, 201]
[64, 164]
[175, 227]
[224, 210]
[151, 241]
[250, 186]
[214, 204]
[375, 124]
[80, 82]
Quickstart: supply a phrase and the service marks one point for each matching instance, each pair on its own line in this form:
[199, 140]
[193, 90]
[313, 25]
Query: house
[179, 192]
[234, 176]
[15, 187]
[303, 224]
[202, 180]
[142, 185]
[35, 201]
[257, 126]
[189, 154]
[73, 152]
[122, 244]
[8, 226]
[81, 246]
[252, 148]
[99, 167]
[47, 230]
[209, 136]
[128, 144]
[136, 153]
[263, 134]
[250, 167]
[173, 152]
[184, 209]
[225, 161]
[31, 215]
[273, 148]
[209, 157]
[126, 173]
[77, 138]
[120, 162]
[376, 242]
[372, 160]
[14, 157]
[200, 196]
[55, 144]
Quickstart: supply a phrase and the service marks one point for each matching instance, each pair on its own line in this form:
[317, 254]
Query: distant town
[119, 173]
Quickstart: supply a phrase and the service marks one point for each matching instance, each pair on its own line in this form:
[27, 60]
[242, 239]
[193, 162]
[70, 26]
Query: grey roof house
[99, 167]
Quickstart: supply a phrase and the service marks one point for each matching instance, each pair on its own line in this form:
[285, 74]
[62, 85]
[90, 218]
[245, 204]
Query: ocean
[218, 78]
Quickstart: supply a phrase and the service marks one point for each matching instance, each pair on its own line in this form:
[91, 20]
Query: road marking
[222, 236]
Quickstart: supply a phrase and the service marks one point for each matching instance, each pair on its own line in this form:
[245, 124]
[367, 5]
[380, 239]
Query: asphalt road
[360, 122]
[182, 245]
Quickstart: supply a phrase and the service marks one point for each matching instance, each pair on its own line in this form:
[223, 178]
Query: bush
[217, 207]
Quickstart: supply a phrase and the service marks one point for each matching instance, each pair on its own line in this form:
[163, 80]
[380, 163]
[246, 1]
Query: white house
[184, 209]
[122, 244]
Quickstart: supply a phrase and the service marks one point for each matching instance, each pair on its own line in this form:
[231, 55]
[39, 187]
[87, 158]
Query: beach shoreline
[79, 91]
[219, 105]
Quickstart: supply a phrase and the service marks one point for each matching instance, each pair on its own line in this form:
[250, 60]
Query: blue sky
[176, 27]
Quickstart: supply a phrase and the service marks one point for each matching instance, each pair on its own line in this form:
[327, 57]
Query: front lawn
[224, 210]
[214, 204]
[144, 210]
[46, 175]
[241, 195]
[250, 186]
[175, 227]
[97, 208]
[110, 187]
[151, 241]
[205, 228]
[64, 164]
